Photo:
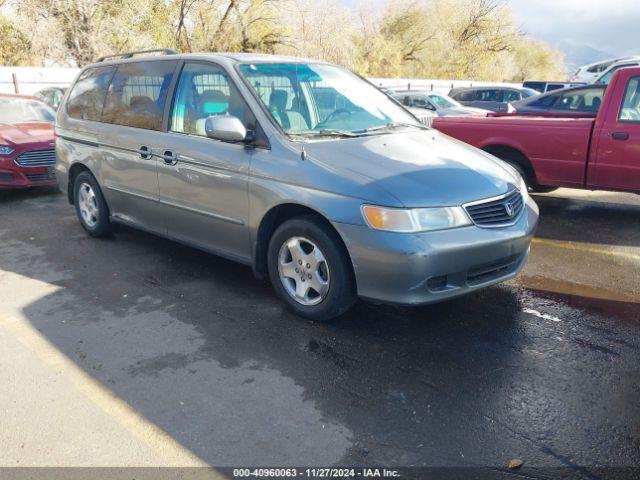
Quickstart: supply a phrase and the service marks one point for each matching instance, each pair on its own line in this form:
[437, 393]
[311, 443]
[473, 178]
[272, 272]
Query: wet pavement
[545, 368]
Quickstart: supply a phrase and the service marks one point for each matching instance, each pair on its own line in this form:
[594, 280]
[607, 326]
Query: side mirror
[225, 127]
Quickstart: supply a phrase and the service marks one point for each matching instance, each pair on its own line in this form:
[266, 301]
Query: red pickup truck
[601, 153]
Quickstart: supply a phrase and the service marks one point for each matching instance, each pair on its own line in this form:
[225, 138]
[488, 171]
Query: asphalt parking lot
[136, 351]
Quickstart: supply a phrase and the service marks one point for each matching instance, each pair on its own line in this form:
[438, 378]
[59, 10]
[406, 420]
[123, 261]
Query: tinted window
[630, 111]
[545, 101]
[205, 90]
[600, 67]
[511, 96]
[464, 96]
[489, 95]
[588, 100]
[138, 93]
[555, 86]
[539, 86]
[87, 97]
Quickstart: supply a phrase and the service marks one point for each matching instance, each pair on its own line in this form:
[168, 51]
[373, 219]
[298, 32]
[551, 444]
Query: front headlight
[522, 184]
[411, 220]
[5, 150]
[524, 189]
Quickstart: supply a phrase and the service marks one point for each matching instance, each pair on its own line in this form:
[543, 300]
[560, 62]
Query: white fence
[437, 86]
[28, 80]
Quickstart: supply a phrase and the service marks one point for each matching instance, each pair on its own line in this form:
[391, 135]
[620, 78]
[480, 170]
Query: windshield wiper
[392, 125]
[326, 132]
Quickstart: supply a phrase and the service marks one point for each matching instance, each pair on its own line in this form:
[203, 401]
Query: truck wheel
[543, 189]
[522, 165]
[91, 206]
[310, 269]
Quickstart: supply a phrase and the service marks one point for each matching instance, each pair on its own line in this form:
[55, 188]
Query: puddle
[587, 298]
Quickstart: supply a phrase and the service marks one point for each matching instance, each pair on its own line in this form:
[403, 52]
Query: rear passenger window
[138, 93]
[489, 95]
[87, 97]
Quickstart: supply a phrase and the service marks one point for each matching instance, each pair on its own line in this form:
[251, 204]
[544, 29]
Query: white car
[590, 73]
[606, 76]
[439, 105]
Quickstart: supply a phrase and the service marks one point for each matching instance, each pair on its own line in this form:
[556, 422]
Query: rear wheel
[310, 269]
[521, 164]
[91, 206]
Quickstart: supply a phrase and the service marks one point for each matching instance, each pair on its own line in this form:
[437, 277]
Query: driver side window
[205, 90]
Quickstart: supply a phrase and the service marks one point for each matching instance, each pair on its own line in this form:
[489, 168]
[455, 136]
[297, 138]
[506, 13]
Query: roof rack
[163, 51]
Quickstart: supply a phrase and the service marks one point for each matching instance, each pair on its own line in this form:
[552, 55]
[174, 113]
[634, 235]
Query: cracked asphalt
[137, 351]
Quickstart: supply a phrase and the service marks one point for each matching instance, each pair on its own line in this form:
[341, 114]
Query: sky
[611, 26]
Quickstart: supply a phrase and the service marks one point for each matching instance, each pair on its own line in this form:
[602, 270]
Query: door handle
[169, 157]
[145, 152]
[620, 136]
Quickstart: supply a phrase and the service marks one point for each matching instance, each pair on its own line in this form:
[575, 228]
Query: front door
[132, 125]
[203, 182]
[616, 163]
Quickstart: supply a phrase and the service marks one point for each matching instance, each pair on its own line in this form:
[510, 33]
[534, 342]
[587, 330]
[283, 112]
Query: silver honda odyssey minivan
[298, 168]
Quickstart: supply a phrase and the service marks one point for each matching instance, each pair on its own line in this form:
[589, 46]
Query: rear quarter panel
[557, 148]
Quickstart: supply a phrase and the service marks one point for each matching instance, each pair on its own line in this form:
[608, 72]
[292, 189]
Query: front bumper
[13, 175]
[414, 269]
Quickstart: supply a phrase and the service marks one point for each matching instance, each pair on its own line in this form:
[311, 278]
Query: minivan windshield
[324, 100]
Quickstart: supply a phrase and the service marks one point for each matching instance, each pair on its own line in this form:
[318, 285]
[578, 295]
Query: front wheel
[310, 269]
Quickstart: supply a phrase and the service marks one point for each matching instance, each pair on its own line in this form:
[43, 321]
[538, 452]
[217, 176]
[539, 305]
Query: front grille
[496, 212]
[426, 120]
[37, 158]
[41, 177]
[489, 271]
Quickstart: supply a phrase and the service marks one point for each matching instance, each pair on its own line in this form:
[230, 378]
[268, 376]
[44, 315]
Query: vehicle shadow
[202, 349]
[21, 194]
[588, 221]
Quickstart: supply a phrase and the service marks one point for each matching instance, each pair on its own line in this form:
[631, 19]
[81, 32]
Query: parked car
[440, 105]
[590, 73]
[229, 153]
[496, 99]
[598, 153]
[606, 77]
[569, 102]
[27, 155]
[425, 116]
[544, 87]
[51, 96]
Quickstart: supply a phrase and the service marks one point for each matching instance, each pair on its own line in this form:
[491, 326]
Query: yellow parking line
[169, 450]
[585, 248]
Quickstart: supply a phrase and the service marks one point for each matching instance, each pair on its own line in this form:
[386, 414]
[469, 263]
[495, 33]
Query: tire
[327, 300]
[520, 163]
[91, 207]
[543, 189]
